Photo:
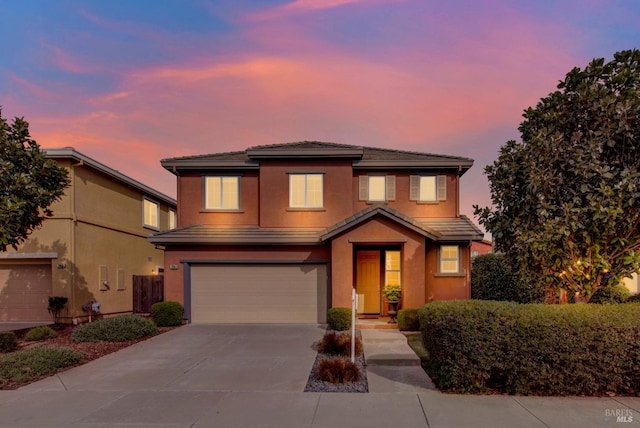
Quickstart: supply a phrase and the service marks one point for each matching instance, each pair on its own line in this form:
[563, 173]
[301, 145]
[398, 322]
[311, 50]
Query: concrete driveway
[202, 358]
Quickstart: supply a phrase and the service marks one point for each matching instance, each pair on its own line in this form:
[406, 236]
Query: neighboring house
[280, 233]
[91, 247]
[480, 248]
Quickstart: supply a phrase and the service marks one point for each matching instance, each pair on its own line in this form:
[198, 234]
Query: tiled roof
[439, 230]
[363, 157]
[217, 235]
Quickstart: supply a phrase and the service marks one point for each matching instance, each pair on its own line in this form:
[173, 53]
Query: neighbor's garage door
[259, 293]
[24, 291]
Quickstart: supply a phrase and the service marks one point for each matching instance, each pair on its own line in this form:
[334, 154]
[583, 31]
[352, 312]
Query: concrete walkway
[253, 376]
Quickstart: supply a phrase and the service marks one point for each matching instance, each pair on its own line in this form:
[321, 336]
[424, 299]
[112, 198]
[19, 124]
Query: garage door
[24, 291]
[259, 293]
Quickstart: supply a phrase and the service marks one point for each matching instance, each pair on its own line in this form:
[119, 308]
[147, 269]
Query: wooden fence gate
[147, 290]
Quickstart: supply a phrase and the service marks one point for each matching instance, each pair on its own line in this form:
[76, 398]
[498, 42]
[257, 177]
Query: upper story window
[222, 193]
[428, 188]
[305, 190]
[449, 259]
[151, 214]
[172, 219]
[377, 188]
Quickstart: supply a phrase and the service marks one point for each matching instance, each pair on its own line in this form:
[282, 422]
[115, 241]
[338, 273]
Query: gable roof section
[363, 157]
[71, 153]
[372, 211]
[440, 230]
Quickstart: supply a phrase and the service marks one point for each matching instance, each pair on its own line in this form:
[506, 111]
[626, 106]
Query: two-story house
[91, 248]
[280, 233]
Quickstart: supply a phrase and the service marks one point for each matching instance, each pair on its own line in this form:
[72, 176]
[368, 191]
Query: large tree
[566, 199]
[29, 183]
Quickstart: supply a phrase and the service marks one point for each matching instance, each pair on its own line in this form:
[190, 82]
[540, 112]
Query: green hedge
[610, 294]
[339, 319]
[117, 329]
[536, 349]
[408, 320]
[493, 279]
[167, 314]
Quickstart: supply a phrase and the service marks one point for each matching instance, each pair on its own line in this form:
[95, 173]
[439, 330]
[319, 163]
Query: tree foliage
[566, 199]
[29, 183]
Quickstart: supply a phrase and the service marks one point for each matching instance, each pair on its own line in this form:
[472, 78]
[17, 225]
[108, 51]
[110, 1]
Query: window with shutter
[428, 188]
[377, 188]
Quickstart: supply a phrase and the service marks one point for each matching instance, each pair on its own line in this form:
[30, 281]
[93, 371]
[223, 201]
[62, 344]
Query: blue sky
[131, 82]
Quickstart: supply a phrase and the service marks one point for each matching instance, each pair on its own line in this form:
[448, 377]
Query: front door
[368, 280]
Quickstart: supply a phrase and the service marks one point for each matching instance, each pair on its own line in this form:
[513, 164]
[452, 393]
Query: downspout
[458, 190]
[74, 225]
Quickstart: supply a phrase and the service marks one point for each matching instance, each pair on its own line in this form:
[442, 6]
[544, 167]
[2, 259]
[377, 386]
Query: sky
[130, 82]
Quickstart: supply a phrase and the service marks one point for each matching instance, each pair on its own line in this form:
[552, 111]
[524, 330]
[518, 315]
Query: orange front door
[368, 280]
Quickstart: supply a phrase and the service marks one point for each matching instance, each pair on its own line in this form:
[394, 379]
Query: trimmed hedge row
[532, 348]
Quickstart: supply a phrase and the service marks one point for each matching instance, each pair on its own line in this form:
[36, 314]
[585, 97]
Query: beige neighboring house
[90, 249]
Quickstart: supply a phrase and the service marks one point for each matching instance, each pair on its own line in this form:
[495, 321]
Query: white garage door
[24, 291]
[259, 293]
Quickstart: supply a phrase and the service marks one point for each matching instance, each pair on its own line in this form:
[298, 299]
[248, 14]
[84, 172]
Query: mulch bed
[89, 350]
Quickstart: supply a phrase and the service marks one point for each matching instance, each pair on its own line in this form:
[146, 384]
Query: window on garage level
[449, 259]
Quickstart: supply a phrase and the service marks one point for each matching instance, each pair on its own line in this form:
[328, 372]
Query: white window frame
[213, 181]
[365, 188]
[172, 219]
[445, 251]
[307, 203]
[150, 216]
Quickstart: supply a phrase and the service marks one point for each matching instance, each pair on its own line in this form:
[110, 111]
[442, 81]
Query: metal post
[354, 306]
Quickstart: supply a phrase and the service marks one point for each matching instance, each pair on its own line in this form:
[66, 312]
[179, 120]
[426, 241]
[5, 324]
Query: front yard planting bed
[333, 362]
[532, 349]
[35, 360]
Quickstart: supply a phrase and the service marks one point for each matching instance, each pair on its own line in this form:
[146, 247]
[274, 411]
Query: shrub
[338, 370]
[22, 366]
[56, 305]
[8, 341]
[339, 319]
[634, 299]
[539, 349]
[408, 320]
[338, 344]
[610, 294]
[167, 314]
[117, 329]
[492, 278]
[40, 333]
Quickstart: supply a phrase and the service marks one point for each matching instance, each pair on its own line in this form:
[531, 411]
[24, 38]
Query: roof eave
[71, 153]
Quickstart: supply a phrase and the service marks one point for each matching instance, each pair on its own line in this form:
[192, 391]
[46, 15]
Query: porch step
[387, 348]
